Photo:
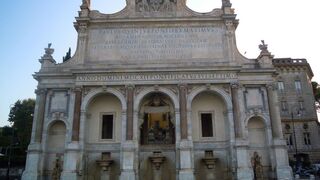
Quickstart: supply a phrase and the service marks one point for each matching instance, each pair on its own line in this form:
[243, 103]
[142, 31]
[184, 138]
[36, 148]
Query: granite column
[274, 111]
[236, 110]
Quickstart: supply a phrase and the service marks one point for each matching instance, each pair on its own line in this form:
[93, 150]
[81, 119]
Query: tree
[316, 92]
[67, 57]
[21, 116]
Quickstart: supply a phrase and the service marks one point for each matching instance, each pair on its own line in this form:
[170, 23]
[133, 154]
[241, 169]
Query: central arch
[156, 125]
[157, 121]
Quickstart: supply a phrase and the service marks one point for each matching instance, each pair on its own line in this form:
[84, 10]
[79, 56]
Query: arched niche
[203, 6]
[257, 132]
[103, 119]
[208, 116]
[105, 7]
[55, 145]
[258, 144]
[156, 119]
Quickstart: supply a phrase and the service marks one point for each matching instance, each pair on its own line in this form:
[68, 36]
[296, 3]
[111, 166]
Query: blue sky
[288, 26]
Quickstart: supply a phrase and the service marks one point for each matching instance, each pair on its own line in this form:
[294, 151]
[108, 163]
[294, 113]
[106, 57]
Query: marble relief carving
[155, 5]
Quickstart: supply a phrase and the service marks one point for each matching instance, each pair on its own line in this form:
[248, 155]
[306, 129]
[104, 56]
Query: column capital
[128, 86]
[235, 85]
[77, 89]
[182, 85]
[40, 91]
[271, 86]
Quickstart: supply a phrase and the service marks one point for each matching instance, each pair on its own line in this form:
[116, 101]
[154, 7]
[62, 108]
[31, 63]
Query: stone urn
[105, 163]
[157, 160]
[210, 161]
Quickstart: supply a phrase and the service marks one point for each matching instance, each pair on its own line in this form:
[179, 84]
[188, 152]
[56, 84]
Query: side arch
[264, 119]
[226, 97]
[163, 90]
[92, 94]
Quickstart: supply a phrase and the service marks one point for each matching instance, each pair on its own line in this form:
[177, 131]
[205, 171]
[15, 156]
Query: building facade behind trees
[298, 112]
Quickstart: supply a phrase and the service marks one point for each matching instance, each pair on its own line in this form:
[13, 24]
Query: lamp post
[9, 155]
[10, 148]
[294, 136]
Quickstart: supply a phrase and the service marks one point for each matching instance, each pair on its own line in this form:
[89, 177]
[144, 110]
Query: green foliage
[16, 139]
[21, 115]
[316, 91]
[68, 56]
[5, 136]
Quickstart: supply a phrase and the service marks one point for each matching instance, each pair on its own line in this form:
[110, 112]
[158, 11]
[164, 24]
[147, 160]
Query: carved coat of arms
[155, 5]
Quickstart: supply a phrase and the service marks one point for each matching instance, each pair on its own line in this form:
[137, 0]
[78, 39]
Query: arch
[55, 143]
[262, 117]
[94, 93]
[50, 123]
[225, 97]
[163, 90]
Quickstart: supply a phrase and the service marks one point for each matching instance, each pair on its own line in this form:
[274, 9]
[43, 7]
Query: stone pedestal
[127, 158]
[105, 163]
[157, 160]
[71, 157]
[186, 162]
[243, 169]
[283, 170]
[210, 163]
[32, 164]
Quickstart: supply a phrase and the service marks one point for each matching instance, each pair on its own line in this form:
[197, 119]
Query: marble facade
[176, 88]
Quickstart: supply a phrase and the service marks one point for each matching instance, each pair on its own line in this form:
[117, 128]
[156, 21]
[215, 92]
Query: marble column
[274, 111]
[183, 111]
[72, 150]
[130, 93]
[33, 168]
[128, 145]
[236, 110]
[41, 95]
[283, 170]
[185, 145]
[76, 115]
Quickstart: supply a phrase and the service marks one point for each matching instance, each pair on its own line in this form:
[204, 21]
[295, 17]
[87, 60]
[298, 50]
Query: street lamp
[9, 156]
[294, 136]
[10, 149]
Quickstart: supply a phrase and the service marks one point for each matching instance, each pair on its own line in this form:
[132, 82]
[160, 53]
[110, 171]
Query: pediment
[154, 8]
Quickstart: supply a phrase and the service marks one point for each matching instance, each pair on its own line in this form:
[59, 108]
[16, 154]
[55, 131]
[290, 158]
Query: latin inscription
[155, 43]
[155, 77]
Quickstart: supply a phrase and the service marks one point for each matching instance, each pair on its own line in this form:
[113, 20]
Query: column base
[128, 160]
[69, 176]
[32, 164]
[283, 170]
[30, 176]
[127, 175]
[186, 175]
[244, 173]
[284, 173]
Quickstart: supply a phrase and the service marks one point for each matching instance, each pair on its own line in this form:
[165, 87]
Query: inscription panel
[165, 77]
[148, 44]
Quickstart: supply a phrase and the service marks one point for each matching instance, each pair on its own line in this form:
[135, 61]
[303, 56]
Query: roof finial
[226, 3]
[48, 54]
[263, 47]
[264, 51]
[86, 3]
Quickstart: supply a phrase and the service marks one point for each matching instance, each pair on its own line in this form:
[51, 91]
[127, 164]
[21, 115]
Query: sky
[289, 27]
